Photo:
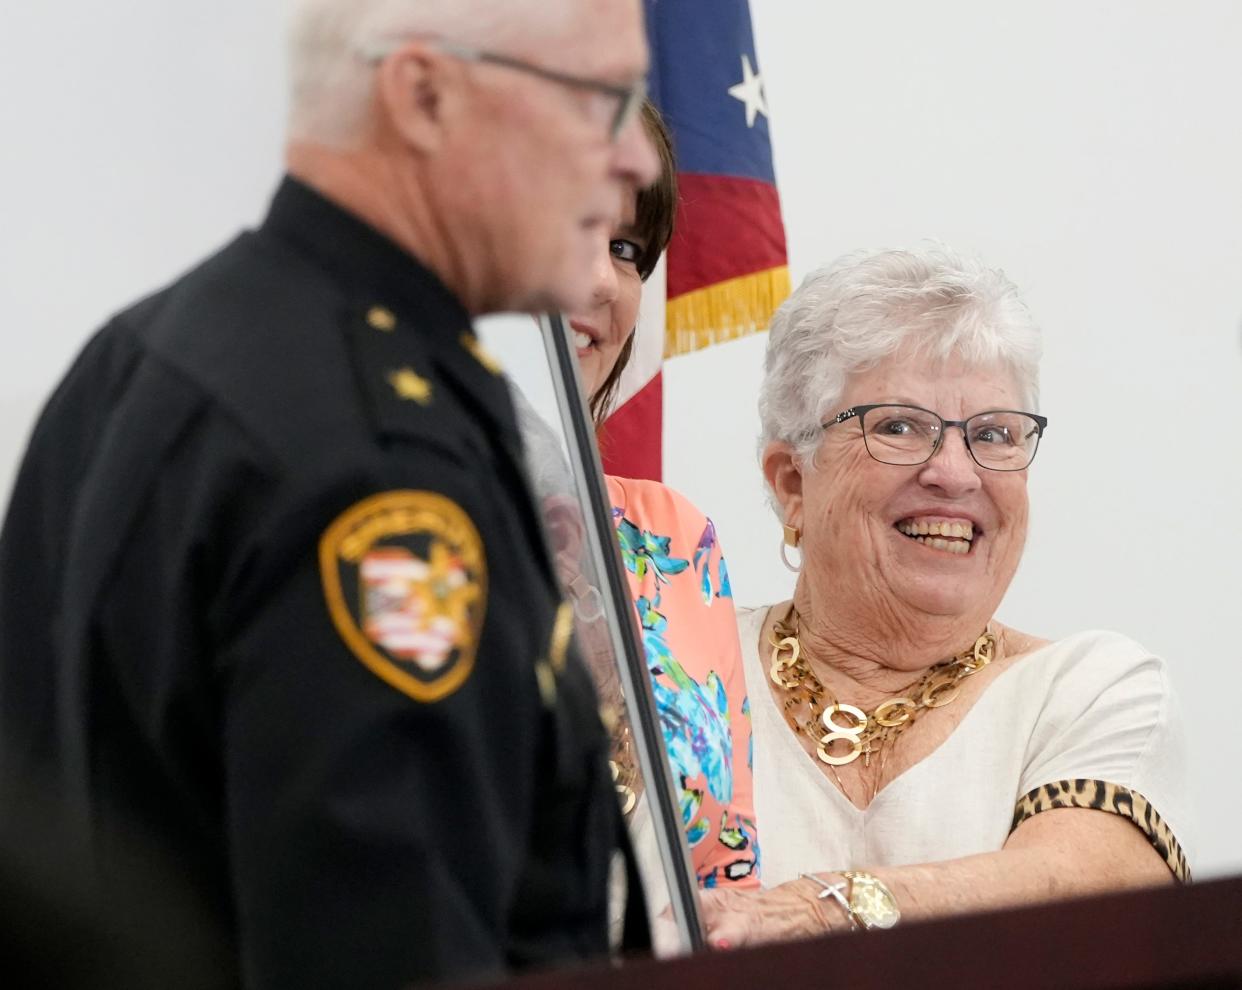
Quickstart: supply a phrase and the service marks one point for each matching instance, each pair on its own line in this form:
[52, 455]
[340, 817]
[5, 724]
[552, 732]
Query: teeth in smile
[956, 530]
[936, 543]
[581, 339]
[954, 537]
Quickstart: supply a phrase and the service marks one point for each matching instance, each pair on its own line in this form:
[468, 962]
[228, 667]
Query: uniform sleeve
[381, 752]
[382, 729]
[1111, 738]
[680, 582]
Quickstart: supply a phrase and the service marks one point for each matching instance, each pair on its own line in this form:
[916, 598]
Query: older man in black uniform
[276, 614]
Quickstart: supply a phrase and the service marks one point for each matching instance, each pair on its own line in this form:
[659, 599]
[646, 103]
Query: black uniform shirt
[275, 606]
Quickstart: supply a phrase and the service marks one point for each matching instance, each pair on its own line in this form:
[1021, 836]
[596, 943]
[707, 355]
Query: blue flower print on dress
[694, 717]
[696, 825]
[734, 837]
[708, 546]
[694, 714]
[750, 750]
[751, 834]
[643, 551]
[741, 838]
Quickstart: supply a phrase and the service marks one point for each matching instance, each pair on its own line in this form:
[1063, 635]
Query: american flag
[393, 610]
[726, 269]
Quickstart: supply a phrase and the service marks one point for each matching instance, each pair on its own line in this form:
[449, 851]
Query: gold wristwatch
[871, 903]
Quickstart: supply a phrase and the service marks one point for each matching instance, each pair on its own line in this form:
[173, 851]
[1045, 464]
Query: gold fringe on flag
[724, 311]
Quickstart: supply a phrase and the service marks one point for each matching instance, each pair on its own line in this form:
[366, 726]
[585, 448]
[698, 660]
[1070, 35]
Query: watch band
[872, 904]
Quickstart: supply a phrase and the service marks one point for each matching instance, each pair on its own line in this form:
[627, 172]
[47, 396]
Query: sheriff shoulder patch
[405, 580]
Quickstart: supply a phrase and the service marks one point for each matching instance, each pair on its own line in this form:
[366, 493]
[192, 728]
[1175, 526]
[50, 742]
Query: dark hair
[654, 215]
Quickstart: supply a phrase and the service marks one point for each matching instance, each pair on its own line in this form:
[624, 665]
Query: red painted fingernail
[723, 943]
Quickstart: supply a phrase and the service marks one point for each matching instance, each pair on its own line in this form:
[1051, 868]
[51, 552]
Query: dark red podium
[1175, 937]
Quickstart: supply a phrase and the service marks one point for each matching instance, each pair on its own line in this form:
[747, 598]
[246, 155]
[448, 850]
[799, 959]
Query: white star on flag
[750, 92]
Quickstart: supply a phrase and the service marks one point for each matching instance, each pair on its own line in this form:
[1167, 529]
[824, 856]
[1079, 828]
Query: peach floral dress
[680, 587]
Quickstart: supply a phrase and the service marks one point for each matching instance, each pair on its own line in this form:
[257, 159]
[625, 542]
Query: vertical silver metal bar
[623, 626]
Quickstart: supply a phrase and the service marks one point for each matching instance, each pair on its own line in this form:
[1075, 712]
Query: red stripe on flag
[726, 227]
[632, 438]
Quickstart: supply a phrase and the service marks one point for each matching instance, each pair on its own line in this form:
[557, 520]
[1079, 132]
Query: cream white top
[1095, 706]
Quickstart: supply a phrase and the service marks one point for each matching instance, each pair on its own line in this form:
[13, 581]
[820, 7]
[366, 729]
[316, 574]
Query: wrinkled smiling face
[941, 538]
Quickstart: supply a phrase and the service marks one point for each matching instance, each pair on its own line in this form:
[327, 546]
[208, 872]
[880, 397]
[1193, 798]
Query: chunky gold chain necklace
[811, 709]
[621, 763]
[624, 772]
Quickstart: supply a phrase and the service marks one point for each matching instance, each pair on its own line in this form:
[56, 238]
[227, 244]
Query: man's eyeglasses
[999, 440]
[628, 98]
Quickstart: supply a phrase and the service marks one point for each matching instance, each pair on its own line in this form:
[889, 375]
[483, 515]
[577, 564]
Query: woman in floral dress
[677, 576]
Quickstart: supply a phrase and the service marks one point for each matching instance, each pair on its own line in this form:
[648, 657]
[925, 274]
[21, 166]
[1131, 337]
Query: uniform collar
[376, 273]
[369, 265]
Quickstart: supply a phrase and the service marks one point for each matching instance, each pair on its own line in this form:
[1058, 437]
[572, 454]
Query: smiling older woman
[914, 756]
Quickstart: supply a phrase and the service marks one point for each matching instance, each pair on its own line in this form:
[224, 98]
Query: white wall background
[1092, 149]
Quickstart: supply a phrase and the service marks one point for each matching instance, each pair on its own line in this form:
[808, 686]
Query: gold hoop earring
[792, 538]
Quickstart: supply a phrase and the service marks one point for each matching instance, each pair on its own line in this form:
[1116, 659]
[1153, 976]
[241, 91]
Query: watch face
[873, 903]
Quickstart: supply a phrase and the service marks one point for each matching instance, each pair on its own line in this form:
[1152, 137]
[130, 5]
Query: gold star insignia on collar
[481, 354]
[381, 318]
[409, 384]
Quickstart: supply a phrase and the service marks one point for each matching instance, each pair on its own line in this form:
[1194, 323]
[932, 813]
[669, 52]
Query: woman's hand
[793, 910]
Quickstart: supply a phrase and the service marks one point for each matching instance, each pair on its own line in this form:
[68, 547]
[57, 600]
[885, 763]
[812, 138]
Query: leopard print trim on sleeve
[1103, 796]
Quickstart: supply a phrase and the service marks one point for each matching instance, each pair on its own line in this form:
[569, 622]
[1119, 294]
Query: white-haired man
[273, 595]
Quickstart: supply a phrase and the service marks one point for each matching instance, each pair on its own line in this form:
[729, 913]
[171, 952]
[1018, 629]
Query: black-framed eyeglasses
[998, 439]
[629, 98]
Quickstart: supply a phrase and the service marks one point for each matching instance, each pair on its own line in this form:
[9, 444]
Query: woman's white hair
[851, 315]
[330, 78]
